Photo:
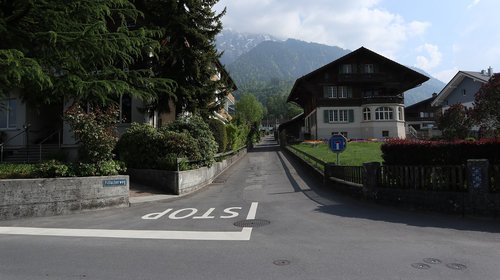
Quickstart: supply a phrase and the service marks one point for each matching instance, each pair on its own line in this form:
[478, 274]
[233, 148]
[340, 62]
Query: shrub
[219, 132]
[96, 131]
[17, 171]
[51, 169]
[141, 146]
[236, 136]
[406, 152]
[199, 130]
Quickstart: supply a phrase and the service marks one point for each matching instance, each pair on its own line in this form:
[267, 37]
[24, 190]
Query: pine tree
[56, 50]
[188, 52]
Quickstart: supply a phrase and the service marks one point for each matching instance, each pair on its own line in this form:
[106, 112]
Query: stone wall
[182, 182]
[57, 196]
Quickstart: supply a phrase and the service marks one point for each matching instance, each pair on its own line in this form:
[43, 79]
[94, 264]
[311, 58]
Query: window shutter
[349, 92]
[325, 91]
[325, 115]
[351, 115]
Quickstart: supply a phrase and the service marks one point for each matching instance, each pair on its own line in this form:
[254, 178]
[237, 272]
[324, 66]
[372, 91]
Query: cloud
[445, 76]
[433, 58]
[348, 24]
[474, 3]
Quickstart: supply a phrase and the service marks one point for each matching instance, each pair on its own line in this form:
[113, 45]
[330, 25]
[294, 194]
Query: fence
[430, 178]
[463, 189]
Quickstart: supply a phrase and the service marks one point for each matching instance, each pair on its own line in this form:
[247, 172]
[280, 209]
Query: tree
[188, 52]
[85, 50]
[455, 122]
[486, 111]
[249, 111]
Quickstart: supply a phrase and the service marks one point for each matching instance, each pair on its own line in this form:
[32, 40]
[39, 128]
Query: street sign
[337, 143]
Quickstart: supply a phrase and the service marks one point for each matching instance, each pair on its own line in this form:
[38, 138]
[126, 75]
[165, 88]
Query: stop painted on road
[193, 213]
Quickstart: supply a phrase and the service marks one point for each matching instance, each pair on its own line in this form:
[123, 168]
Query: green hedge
[145, 147]
[410, 152]
[219, 132]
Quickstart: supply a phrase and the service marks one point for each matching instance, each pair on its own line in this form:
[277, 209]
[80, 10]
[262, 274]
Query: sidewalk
[140, 193]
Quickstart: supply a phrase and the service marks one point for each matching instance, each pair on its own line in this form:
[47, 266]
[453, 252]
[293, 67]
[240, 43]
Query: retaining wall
[57, 196]
[182, 182]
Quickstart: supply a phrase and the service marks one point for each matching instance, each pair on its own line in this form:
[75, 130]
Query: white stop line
[244, 234]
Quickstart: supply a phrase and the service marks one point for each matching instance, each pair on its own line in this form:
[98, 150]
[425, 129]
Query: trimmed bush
[200, 131]
[219, 132]
[408, 152]
[236, 136]
[142, 146]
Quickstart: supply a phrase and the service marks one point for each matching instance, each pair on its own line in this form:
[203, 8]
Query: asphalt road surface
[264, 218]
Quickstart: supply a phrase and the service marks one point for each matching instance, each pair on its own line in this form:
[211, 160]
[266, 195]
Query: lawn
[355, 154]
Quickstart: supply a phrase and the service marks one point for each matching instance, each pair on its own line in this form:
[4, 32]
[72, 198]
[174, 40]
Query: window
[384, 113]
[331, 92]
[385, 133]
[337, 92]
[125, 105]
[126, 109]
[346, 69]
[332, 116]
[369, 68]
[344, 92]
[464, 92]
[8, 111]
[400, 114]
[367, 114]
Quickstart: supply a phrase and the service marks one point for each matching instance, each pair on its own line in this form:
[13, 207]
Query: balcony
[382, 99]
[364, 77]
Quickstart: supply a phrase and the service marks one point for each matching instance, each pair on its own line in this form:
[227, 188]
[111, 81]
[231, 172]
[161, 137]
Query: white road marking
[244, 234]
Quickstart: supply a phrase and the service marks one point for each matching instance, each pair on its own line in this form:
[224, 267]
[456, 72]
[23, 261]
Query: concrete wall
[182, 182]
[57, 196]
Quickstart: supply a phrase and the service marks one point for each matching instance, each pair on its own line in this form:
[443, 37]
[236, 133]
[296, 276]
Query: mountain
[264, 65]
[281, 61]
[234, 44]
[423, 91]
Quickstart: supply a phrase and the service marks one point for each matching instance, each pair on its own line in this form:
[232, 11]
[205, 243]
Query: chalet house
[421, 118]
[462, 89]
[29, 133]
[359, 95]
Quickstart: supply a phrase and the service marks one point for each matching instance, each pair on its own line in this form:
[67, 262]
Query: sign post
[337, 143]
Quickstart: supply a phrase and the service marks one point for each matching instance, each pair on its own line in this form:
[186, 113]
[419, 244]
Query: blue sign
[337, 143]
[114, 182]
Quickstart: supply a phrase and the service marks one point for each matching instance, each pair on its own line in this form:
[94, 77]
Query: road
[290, 226]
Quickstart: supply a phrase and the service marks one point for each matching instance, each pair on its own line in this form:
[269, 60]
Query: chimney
[490, 71]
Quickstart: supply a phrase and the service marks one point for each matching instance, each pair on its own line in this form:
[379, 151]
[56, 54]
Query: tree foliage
[486, 111]
[88, 50]
[249, 111]
[455, 122]
[188, 53]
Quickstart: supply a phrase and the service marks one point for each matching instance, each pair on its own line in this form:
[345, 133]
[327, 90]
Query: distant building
[359, 95]
[421, 119]
[462, 90]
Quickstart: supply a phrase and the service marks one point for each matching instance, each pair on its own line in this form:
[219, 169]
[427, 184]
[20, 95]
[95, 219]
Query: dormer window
[369, 68]
[337, 92]
[346, 69]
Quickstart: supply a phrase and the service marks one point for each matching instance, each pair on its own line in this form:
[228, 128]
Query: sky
[438, 36]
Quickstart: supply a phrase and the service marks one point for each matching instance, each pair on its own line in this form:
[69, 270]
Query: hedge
[411, 152]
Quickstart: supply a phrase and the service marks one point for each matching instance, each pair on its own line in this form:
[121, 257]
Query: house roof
[415, 77]
[428, 100]
[457, 80]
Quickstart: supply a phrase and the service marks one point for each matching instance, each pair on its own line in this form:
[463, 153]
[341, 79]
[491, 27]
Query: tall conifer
[188, 52]
[56, 50]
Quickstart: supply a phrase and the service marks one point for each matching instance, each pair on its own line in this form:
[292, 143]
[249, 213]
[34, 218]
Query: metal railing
[314, 162]
[58, 132]
[2, 145]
